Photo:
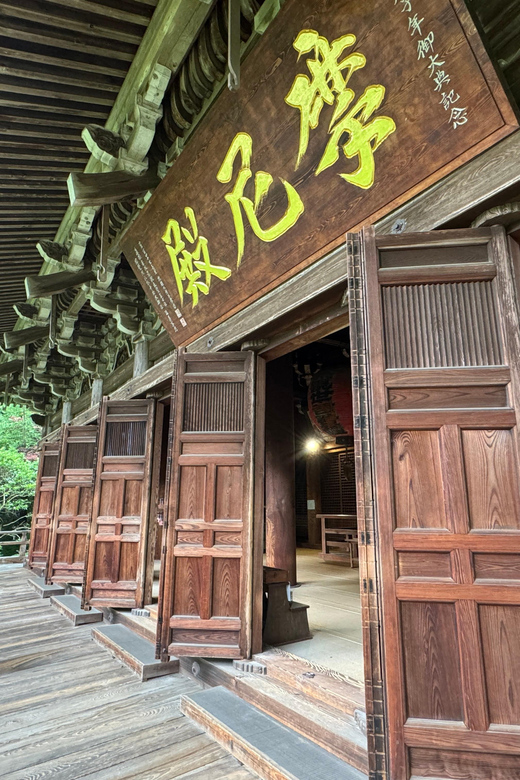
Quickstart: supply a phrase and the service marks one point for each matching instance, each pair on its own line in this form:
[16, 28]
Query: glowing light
[313, 446]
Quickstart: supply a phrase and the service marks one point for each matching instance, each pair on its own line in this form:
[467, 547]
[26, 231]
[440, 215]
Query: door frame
[333, 318]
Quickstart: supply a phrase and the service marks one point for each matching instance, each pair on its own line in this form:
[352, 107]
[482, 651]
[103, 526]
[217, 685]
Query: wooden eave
[62, 65]
[35, 183]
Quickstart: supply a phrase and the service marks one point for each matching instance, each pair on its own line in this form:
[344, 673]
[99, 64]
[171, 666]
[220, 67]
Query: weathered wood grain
[79, 714]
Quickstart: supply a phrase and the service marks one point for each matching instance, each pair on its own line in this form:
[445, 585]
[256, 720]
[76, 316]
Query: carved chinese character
[330, 76]
[363, 137]
[351, 128]
[440, 79]
[435, 63]
[425, 45]
[242, 145]
[414, 24]
[448, 98]
[189, 255]
[458, 116]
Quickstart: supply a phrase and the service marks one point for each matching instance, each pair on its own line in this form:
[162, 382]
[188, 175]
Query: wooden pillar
[313, 499]
[280, 515]
[141, 357]
[66, 412]
[97, 392]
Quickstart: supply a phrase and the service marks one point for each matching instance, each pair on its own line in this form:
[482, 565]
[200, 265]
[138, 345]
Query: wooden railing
[19, 537]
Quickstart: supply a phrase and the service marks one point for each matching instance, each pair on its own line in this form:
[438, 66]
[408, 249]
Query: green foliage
[17, 481]
[19, 437]
[17, 430]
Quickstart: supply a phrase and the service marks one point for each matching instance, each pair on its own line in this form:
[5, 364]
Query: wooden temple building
[259, 285]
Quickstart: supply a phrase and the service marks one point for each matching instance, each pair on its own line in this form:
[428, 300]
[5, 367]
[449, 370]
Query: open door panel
[206, 588]
[115, 571]
[73, 504]
[44, 503]
[443, 358]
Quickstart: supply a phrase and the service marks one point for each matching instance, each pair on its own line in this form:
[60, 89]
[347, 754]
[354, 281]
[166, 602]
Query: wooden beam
[78, 24]
[11, 367]
[98, 189]
[158, 374]
[312, 329]
[167, 39]
[18, 338]
[51, 284]
[306, 286]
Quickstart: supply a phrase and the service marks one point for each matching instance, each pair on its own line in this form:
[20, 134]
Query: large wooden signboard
[345, 109]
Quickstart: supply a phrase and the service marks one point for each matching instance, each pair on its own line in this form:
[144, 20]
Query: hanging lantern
[330, 402]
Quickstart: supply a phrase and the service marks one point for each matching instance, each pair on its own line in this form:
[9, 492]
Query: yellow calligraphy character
[242, 145]
[191, 265]
[328, 84]
[364, 137]
[328, 78]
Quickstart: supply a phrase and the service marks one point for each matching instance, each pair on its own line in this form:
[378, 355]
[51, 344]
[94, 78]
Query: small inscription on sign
[345, 109]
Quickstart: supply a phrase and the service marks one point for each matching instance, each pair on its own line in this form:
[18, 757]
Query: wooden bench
[339, 538]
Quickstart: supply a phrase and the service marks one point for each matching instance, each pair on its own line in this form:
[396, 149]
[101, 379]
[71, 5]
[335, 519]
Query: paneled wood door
[118, 531]
[443, 357]
[207, 572]
[44, 503]
[73, 504]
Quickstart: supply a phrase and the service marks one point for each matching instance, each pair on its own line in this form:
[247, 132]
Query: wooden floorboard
[69, 711]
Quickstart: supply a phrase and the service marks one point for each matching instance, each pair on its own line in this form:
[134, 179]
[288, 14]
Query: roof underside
[62, 64]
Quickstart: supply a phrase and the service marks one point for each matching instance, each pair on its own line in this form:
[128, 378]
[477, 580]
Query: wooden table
[339, 538]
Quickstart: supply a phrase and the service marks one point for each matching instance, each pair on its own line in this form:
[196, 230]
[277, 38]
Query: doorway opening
[310, 509]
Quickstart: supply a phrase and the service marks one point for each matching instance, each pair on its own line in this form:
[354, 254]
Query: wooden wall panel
[424, 565]
[496, 566]
[420, 330]
[417, 479]
[447, 397]
[431, 668]
[500, 627]
[491, 478]
[116, 567]
[206, 608]
[463, 765]
[444, 395]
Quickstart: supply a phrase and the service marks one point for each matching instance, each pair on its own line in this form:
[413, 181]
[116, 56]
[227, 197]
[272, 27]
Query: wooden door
[73, 504]
[44, 503]
[206, 587]
[118, 531]
[443, 359]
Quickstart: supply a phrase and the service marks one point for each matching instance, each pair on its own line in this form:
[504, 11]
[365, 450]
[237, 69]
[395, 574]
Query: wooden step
[43, 590]
[345, 695]
[144, 627]
[75, 590]
[37, 570]
[134, 651]
[340, 733]
[153, 609]
[273, 751]
[70, 606]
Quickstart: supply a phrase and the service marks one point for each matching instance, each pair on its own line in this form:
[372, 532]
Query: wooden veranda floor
[68, 710]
